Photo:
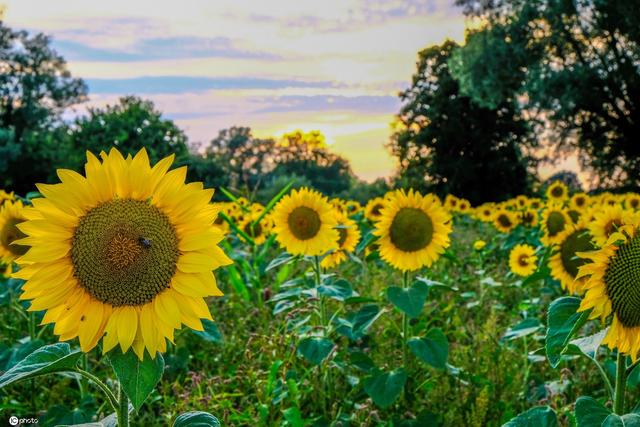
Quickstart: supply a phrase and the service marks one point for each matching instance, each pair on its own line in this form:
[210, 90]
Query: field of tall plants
[129, 297]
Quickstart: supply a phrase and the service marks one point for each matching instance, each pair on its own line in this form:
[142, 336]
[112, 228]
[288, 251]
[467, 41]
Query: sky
[279, 65]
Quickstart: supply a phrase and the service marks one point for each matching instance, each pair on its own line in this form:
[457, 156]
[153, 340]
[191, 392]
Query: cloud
[159, 48]
[184, 84]
[369, 104]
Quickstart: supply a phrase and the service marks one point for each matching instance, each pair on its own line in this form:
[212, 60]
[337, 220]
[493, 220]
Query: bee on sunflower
[564, 263]
[372, 211]
[349, 236]
[12, 214]
[611, 285]
[413, 230]
[124, 254]
[505, 220]
[557, 192]
[304, 223]
[522, 260]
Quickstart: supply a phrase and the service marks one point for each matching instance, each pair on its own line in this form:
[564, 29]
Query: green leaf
[45, 360]
[293, 417]
[211, 332]
[628, 420]
[432, 349]
[528, 326]
[315, 349]
[196, 419]
[540, 416]
[385, 387]
[338, 290]
[410, 300]
[589, 412]
[364, 318]
[137, 377]
[563, 321]
[587, 346]
[283, 258]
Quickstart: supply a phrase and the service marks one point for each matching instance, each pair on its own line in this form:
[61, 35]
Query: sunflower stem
[123, 408]
[405, 324]
[621, 380]
[113, 400]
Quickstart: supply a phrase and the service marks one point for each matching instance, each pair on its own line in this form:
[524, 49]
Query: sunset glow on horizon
[335, 66]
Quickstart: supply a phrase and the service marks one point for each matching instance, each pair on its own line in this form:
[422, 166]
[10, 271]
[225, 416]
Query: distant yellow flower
[349, 236]
[4, 197]
[485, 212]
[606, 221]
[304, 223]
[565, 262]
[579, 201]
[451, 202]
[632, 201]
[258, 231]
[522, 201]
[505, 220]
[522, 260]
[554, 220]
[557, 191]
[479, 245]
[12, 214]
[126, 252]
[413, 230]
[353, 207]
[373, 209]
[528, 217]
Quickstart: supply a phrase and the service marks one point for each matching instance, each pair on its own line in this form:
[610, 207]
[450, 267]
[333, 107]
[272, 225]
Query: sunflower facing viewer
[413, 229]
[126, 252]
[12, 214]
[522, 260]
[304, 223]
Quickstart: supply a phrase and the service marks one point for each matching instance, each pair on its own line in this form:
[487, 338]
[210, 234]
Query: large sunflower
[522, 260]
[557, 192]
[304, 223]
[11, 215]
[554, 220]
[612, 288]
[413, 231]
[372, 211]
[565, 262]
[126, 252]
[505, 220]
[349, 236]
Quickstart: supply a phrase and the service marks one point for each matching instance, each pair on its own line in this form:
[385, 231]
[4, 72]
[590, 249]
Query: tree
[447, 143]
[130, 125]
[574, 64]
[35, 88]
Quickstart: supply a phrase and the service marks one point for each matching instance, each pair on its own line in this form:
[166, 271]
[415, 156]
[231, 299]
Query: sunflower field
[129, 298]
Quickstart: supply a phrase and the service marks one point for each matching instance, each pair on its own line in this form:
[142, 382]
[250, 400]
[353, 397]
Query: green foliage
[137, 377]
[45, 360]
[449, 144]
[569, 62]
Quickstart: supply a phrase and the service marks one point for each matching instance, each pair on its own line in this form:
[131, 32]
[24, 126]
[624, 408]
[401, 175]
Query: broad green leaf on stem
[432, 349]
[432, 284]
[410, 300]
[45, 360]
[196, 419]
[628, 420]
[339, 290]
[385, 387]
[563, 321]
[587, 346]
[315, 349]
[283, 258]
[361, 361]
[540, 416]
[589, 412]
[528, 326]
[364, 318]
[211, 332]
[137, 377]
[294, 417]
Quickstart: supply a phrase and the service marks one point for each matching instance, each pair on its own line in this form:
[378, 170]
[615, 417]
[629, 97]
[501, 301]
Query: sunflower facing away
[304, 223]
[612, 288]
[126, 252]
[413, 231]
[349, 236]
[11, 215]
[522, 260]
